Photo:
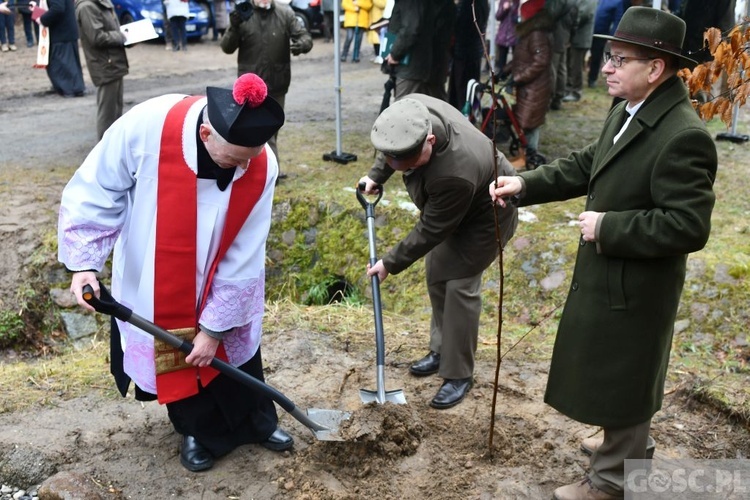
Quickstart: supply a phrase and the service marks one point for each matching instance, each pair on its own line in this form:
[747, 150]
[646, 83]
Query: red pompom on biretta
[244, 115]
[250, 89]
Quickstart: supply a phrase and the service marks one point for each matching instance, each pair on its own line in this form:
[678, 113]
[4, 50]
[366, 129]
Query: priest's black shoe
[451, 393]
[193, 456]
[278, 441]
[426, 366]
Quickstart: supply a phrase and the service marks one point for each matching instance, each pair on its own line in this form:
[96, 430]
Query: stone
[79, 325]
[63, 297]
[553, 280]
[68, 485]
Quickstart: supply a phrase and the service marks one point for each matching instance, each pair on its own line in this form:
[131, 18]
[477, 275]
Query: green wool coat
[655, 186]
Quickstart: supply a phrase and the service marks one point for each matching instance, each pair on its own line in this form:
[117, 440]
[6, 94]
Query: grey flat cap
[400, 130]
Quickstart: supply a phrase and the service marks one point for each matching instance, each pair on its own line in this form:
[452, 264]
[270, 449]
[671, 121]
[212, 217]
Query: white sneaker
[4, 47]
[12, 47]
[377, 60]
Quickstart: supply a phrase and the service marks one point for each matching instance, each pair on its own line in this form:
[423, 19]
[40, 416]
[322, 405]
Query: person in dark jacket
[104, 49]
[564, 14]
[445, 161]
[531, 70]
[505, 38]
[580, 42]
[648, 187]
[468, 48]
[420, 52]
[699, 15]
[64, 67]
[606, 19]
[265, 41]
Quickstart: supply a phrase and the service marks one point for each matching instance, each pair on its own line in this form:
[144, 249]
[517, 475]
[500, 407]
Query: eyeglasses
[617, 61]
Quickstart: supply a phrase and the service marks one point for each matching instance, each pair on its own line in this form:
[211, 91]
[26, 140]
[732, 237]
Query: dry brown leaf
[707, 110]
[712, 37]
[735, 39]
[727, 115]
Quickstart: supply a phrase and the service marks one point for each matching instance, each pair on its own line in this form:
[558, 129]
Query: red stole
[175, 257]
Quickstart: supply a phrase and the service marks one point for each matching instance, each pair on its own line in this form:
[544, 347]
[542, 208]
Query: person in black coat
[468, 48]
[64, 67]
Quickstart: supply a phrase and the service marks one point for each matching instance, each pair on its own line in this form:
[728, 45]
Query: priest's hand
[81, 279]
[204, 350]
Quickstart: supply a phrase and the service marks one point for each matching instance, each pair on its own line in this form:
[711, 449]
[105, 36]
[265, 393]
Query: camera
[245, 9]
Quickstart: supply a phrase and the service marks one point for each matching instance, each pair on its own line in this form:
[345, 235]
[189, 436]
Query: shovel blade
[331, 420]
[395, 396]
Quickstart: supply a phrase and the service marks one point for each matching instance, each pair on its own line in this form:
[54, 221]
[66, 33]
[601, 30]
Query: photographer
[266, 33]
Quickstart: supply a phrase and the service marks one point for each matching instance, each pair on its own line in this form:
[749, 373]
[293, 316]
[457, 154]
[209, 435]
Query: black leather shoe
[193, 456]
[278, 441]
[426, 366]
[451, 393]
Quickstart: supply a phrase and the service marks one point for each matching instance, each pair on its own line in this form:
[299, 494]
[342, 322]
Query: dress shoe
[556, 105]
[583, 490]
[451, 393]
[426, 366]
[590, 445]
[278, 441]
[193, 456]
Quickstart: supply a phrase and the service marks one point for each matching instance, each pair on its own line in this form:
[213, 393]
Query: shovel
[380, 395]
[326, 428]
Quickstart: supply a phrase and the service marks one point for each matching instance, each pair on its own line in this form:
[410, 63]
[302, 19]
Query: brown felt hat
[401, 129]
[654, 29]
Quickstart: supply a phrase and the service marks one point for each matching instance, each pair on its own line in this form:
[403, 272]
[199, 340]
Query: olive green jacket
[655, 188]
[456, 224]
[265, 42]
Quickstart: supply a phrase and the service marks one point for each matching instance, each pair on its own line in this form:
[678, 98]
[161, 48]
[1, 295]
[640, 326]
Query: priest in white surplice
[180, 188]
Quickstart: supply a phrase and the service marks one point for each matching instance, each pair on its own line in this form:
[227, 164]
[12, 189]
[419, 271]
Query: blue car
[135, 10]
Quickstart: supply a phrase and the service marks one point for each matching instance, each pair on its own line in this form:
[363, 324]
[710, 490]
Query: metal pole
[338, 156]
[337, 70]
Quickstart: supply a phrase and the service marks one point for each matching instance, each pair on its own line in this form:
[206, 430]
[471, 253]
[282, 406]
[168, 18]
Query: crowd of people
[192, 256]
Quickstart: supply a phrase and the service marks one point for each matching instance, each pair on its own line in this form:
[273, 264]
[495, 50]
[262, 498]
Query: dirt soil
[392, 451]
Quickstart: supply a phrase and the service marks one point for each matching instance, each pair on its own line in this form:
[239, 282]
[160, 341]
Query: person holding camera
[266, 33]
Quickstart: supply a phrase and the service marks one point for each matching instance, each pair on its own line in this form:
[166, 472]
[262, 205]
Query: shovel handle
[108, 305]
[105, 303]
[367, 204]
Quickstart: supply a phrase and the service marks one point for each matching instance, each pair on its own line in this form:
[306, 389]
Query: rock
[699, 311]
[553, 280]
[79, 325]
[288, 237]
[521, 243]
[22, 465]
[681, 325]
[69, 486]
[525, 215]
[63, 297]
[721, 275]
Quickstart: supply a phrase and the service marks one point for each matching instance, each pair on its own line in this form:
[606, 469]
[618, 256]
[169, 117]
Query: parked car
[135, 10]
[309, 13]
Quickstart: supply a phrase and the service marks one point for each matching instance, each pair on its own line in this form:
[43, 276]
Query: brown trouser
[456, 306]
[109, 102]
[608, 462]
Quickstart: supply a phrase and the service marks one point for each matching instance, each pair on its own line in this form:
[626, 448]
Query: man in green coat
[648, 183]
